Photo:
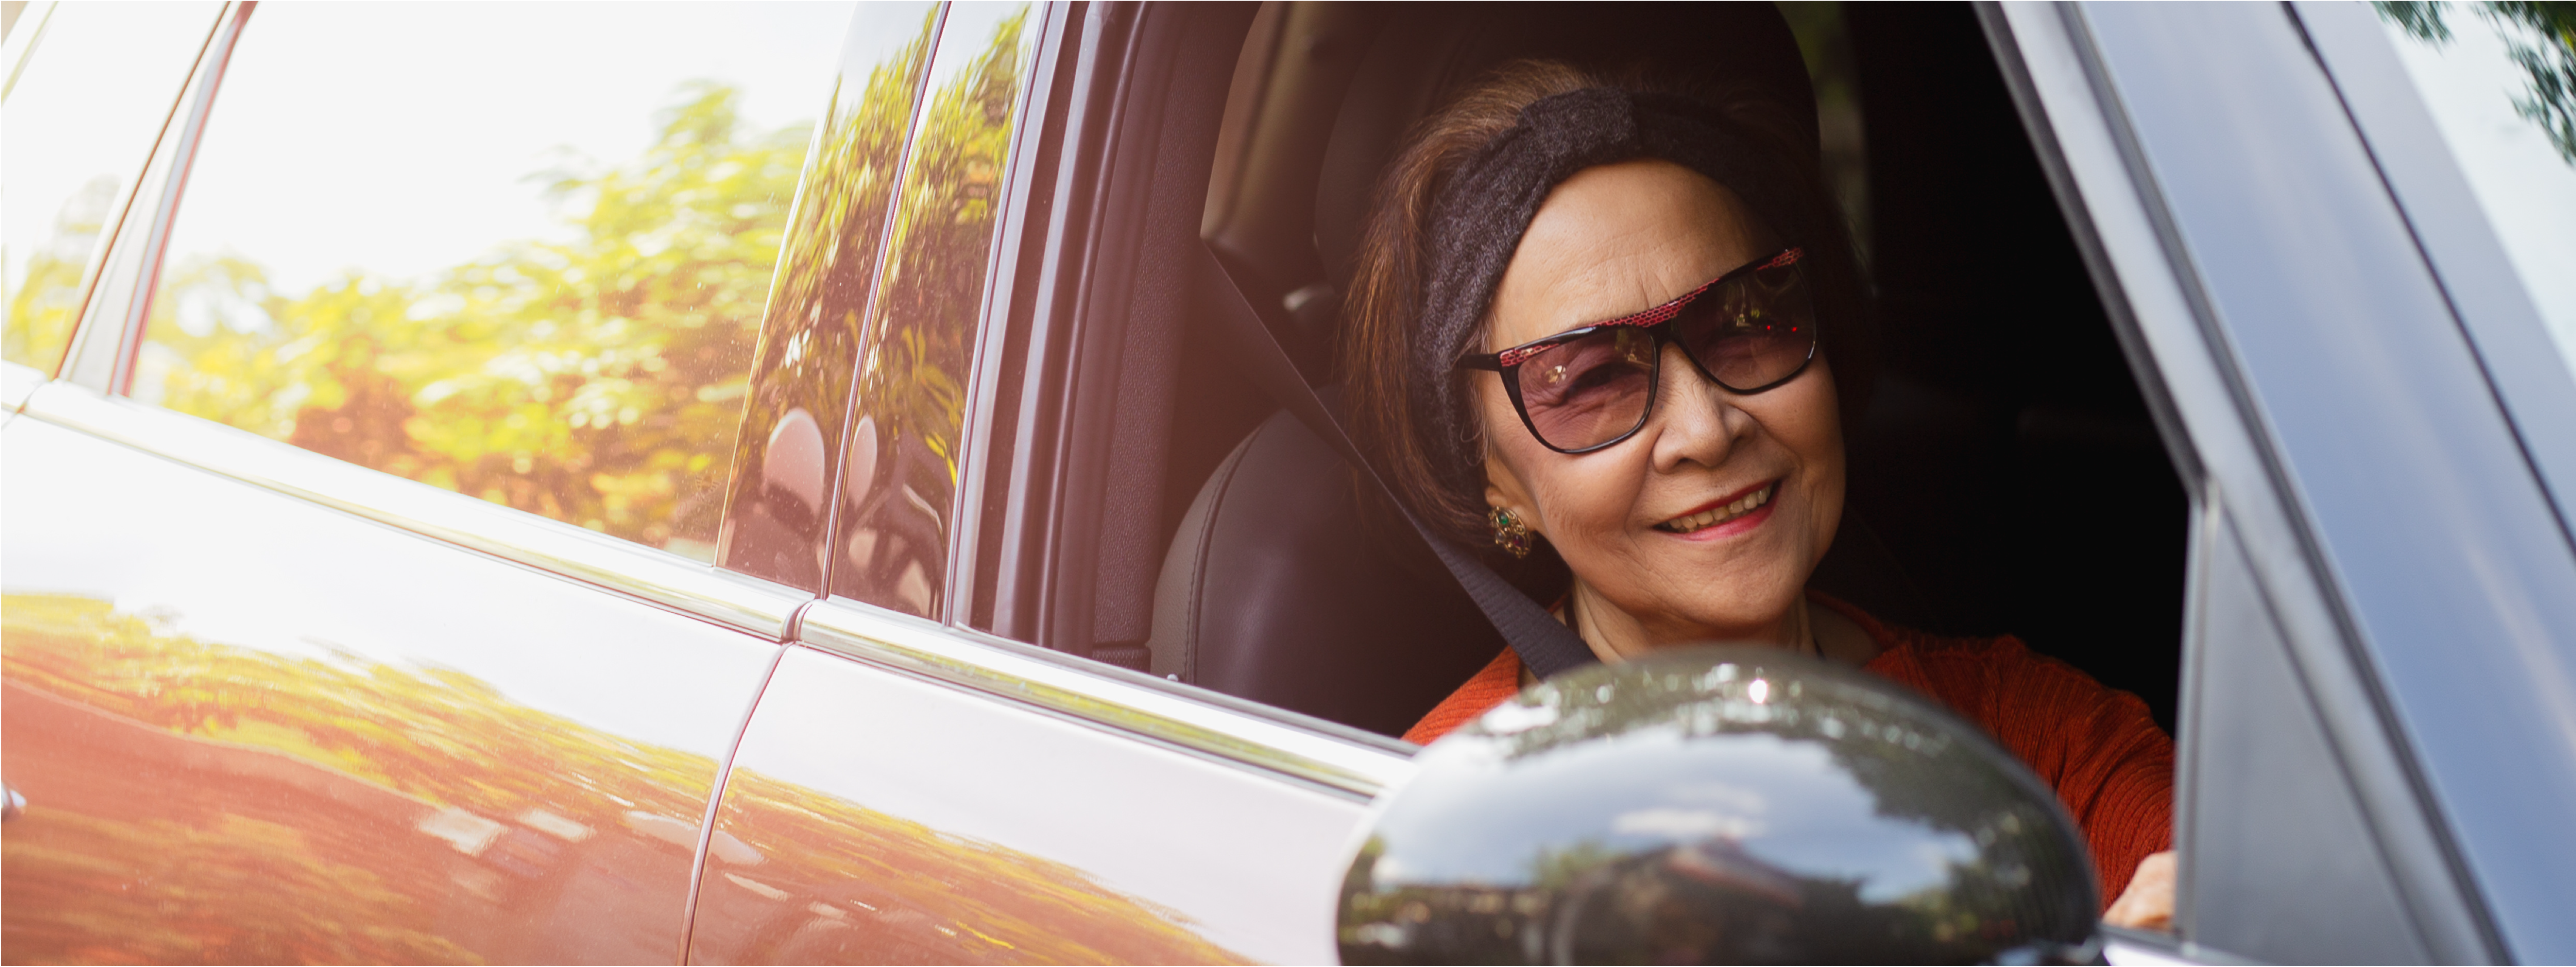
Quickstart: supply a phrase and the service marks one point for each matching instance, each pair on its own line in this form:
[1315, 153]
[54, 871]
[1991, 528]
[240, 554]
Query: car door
[2374, 760]
[358, 604]
[911, 790]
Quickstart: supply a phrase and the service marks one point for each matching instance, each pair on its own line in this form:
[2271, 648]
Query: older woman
[1619, 325]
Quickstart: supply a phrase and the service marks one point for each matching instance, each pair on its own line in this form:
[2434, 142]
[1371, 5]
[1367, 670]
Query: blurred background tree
[2541, 39]
[595, 380]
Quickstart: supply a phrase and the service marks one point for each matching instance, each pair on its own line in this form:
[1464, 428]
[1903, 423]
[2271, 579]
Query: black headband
[1477, 221]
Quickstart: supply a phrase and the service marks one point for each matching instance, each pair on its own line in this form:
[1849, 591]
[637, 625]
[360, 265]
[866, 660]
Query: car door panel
[901, 817]
[2268, 801]
[249, 727]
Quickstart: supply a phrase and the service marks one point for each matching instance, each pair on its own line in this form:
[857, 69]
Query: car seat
[1274, 588]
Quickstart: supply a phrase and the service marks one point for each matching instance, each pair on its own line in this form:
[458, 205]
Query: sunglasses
[1584, 389]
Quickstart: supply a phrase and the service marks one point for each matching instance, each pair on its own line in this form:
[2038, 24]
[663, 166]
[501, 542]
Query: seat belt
[1545, 644]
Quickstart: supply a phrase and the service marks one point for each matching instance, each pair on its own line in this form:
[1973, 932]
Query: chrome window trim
[113, 307]
[103, 252]
[155, 240]
[1236, 733]
[657, 577]
[2153, 292]
[2122, 946]
[993, 322]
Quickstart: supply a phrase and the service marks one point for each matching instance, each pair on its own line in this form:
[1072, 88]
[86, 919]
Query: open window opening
[2007, 477]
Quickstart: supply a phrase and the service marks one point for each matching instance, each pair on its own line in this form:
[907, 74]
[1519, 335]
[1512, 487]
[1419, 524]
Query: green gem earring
[1510, 534]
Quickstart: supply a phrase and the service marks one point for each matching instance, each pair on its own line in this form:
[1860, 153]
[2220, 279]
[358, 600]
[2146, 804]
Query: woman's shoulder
[1952, 667]
[1496, 683]
[1997, 682]
[2048, 711]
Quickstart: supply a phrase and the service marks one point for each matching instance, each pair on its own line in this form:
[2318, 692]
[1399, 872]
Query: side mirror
[1720, 805]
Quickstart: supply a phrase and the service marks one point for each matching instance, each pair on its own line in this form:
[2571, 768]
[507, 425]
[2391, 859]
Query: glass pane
[2500, 79]
[536, 281]
[919, 341]
[800, 382]
[81, 117]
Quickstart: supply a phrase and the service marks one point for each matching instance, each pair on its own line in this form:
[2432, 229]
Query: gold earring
[1510, 534]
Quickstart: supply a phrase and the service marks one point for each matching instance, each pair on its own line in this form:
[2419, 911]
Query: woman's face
[1633, 520]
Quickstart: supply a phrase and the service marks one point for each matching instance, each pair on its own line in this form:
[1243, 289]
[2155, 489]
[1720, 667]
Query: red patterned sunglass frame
[1792, 323]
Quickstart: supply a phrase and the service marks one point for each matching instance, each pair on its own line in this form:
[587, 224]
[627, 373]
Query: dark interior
[2007, 477]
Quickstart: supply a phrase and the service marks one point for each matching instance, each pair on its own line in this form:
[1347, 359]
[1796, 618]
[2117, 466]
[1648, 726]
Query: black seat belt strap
[1545, 645]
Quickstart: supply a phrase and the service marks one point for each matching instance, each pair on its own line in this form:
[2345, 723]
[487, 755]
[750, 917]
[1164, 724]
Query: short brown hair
[1380, 315]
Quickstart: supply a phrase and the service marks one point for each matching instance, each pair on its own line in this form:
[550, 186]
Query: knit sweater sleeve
[2097, 746]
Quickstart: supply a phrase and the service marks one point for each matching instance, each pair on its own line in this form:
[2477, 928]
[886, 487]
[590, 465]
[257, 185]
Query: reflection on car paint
[850, 885]
[789, 444]
[214, 803]
[919, 338]
[237, 749]
[907, 822]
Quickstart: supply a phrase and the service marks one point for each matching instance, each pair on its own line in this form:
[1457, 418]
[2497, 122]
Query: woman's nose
[1696, 421]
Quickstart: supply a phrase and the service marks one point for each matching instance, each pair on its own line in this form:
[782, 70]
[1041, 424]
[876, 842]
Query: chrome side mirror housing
[1720, 805]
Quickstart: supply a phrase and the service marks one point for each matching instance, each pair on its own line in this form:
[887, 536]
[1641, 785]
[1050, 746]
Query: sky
[88, 106]
[2526, 188]
[480, 98]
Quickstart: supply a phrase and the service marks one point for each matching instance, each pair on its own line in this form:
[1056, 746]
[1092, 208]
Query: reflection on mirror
[466, 284]
[1719, 805]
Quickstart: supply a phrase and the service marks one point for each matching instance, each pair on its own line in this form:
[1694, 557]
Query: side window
[535, 281]
[82, 109]
[790, 445]
[918, 342]
[864, 358]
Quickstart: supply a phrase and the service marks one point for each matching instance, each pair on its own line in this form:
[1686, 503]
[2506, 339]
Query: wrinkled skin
[1617, 239]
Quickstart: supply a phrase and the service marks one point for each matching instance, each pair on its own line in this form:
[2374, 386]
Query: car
[862, 538]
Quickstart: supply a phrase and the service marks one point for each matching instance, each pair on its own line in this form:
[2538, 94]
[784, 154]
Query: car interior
[2006, 478]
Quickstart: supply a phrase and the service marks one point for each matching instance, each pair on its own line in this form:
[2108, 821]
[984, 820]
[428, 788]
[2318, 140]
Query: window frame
[1031, 333]
[2234, 467]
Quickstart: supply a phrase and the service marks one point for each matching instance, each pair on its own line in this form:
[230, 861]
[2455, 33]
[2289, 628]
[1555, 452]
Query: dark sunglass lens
[1588, 391]
[1753, 331]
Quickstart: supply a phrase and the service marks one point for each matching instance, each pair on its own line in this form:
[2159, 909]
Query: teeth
[1748, 504]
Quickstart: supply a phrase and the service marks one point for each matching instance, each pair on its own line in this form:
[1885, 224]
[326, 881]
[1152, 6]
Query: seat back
[1274, 591]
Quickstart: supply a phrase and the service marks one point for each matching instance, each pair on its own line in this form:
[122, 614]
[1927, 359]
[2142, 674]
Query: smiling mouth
[1721, 514]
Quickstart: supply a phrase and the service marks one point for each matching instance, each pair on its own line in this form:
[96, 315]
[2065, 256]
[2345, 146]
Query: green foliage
[596, 380]
[2549, 99]
[920, 340]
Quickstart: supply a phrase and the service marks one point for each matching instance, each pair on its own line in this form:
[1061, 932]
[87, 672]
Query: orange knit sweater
[2098, 747]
